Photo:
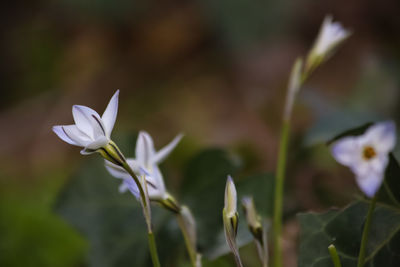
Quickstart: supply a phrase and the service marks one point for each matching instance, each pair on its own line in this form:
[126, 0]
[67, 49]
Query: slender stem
[189, 246]
[153, 250]
[278, 201]
[334, 256]
[146, 211]
[238, 260]
[364, 238]
[126, 166]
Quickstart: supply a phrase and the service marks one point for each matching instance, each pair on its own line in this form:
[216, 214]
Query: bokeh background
[213, 70]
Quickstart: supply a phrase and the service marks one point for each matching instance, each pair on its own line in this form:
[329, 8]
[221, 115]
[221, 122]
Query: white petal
[165, 151]
[346, 151]
[230, 197]
[144, 149]
[100, 142]
[158, 179]
[116, 171]
[134, 166]
[58, 130]
[93, 146]
[370, 183]
[80, 138]
[131, 185]
[123, 188]
[110, 114]
[379, 164]
[382, 136]
[88, 121]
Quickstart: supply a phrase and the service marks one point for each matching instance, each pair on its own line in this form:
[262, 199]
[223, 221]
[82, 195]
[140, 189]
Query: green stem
[128, 168]
[334, 256]
[189, 246]
[153, 250]
[278, 199]
[146, 212]
[364, 238]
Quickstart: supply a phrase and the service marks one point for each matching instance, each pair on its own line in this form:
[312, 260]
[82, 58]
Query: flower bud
[252, 218]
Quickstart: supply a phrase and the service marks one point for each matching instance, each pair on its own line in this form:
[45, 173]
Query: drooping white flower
[145, 163]
[90, 131]
[367, 155]
[330, 36]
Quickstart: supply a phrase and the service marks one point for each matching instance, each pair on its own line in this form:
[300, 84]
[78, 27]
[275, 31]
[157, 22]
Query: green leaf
[343, 229]
[114, 225]
[112, 222]
[204, 191]
[337, 124]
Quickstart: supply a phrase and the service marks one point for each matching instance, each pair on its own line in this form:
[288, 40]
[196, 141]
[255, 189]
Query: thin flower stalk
[330, 36]
[365, 234]
[146, 161]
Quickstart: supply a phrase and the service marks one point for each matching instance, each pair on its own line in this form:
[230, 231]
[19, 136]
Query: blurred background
[213, 70]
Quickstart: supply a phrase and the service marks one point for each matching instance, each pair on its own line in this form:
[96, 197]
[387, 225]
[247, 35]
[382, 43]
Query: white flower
[367, 155]
[90, 130]
[331, 34]
[145, 163]
[230, 198]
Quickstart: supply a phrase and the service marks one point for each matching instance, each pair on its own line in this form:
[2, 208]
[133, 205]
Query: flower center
[369, 152]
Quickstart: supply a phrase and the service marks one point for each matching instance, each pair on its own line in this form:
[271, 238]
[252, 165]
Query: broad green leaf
[336, 124]
[204, 189]
[343, 229]
[112, 222]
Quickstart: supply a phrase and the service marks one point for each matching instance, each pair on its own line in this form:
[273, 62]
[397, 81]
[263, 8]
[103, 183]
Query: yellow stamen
[369, 152]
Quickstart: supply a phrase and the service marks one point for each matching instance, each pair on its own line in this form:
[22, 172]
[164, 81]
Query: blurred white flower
[145, 163]
[252, 218]
[230, 218]
[90, 131]
[330, 36]
[230, 198]
[367, 155]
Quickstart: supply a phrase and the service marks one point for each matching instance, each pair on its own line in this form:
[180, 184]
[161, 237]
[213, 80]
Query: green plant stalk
[334, 256]
[364, 238]
[146, 212]
[153, 250]
[189, 246]
[278, 198]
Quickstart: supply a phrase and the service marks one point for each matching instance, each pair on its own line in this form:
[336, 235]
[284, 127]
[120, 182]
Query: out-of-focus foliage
[114, 224]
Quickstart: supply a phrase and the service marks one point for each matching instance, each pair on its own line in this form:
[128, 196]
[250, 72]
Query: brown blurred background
[214, 70]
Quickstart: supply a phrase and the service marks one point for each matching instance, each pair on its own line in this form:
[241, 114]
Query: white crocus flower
[145, 163]
[330, 36]
[90, 131]
[367, 155]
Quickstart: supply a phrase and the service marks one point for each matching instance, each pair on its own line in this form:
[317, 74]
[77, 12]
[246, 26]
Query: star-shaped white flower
[90, 131]
[145, 163]
[367, 155]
